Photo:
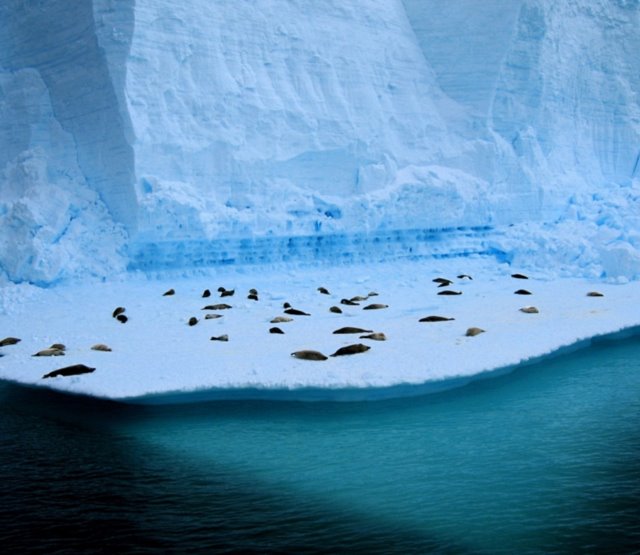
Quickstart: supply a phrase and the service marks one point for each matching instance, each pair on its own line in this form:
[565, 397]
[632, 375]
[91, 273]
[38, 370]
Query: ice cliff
[153, 134]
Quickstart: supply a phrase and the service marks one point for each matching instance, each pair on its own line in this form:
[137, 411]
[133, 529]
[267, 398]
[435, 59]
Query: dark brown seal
[117, 311]
[69, 371]
[522, 292]
[9, 341]
[169, 293]
[434, 318]
[351, 350]
[349, 329]
[450, 292]
[309, 355]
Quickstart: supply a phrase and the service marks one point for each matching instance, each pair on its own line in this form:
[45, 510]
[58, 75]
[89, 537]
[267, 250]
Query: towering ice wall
[132, 127]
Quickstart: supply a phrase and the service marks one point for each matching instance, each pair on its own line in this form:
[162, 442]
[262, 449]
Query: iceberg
[145, 140]
[158, 126]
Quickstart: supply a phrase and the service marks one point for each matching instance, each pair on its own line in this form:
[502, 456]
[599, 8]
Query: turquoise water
[543, 460]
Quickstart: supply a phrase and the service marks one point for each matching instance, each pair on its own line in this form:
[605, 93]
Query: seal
[435, 318]
[294, 311]
[69, 371]
[351, 350]
[348, 302]
[309, 355]
[375, 306]
[465, 276]
[206, 293]
[169, 293]
[253, 295]
[335, 309]
[9, 341]
[529, 310]
[226, 292]
[280, 319]
[212, 316]
[594, 294]
[117, 311]
[522, 292]
[101, 347]
[519, 276]
[324, 290]
[224, 337]
[193, 321]
[376, 336]
[358, 299]
[442, 281]
[276, 330]
[472, 332]
[122, 318]
[49, 353]
[221, 306]
[59, 346]
[449, 292]
[349, 329]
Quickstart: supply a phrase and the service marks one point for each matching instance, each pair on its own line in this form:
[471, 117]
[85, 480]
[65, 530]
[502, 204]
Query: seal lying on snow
[69, 371]
[309, 355]
[351, 350]
[349, 329]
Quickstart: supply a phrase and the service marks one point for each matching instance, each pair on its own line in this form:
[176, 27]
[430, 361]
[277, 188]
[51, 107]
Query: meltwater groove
[542, 460]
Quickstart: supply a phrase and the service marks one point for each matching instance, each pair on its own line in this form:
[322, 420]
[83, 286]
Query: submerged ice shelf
[158, 358]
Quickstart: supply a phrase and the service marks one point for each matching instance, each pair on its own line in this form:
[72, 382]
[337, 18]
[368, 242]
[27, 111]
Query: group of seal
[58, 349]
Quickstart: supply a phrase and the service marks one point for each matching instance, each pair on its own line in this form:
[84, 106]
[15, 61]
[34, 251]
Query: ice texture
[158, 135]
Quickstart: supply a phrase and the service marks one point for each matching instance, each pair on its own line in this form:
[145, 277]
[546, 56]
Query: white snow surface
[157, 357]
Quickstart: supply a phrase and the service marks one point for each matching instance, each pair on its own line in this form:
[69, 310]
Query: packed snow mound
[153, 121]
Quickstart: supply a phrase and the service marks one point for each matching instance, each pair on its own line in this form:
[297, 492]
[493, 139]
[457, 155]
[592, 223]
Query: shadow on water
[76, 477]
[545, 459]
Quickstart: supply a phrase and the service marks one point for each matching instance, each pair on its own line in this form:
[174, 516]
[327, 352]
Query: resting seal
[472, 332]
[309, 355]
[435, 319]
[349, 329]
[9, 341]
[69, 371]
[351, 350]
[49, 353]
[376, 336]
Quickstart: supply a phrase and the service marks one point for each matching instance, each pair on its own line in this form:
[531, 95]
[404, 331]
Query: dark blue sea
[543, 460]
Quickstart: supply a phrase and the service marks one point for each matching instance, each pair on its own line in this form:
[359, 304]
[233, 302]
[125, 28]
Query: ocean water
[543, 460]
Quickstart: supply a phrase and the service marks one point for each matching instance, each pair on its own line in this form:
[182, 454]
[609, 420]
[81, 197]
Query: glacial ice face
[191, 124]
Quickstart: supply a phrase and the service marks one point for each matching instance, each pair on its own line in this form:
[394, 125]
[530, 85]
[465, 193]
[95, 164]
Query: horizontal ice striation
[212, 122]
[335, 248]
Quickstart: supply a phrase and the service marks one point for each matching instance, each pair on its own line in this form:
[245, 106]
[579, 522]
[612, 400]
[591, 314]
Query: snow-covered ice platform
[157, 357]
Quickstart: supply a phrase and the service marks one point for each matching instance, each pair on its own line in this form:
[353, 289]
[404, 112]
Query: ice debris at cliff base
[157, 352]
